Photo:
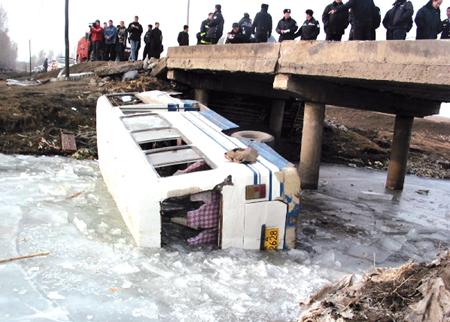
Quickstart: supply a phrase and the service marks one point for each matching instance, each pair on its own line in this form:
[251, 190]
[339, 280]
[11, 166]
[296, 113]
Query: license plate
[271, 239]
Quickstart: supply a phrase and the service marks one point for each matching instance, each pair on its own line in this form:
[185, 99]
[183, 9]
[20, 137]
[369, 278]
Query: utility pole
[188, 11]
[67, 41]
[29, 50]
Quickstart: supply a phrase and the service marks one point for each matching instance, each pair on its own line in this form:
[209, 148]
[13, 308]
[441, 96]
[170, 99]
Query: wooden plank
[68, 143]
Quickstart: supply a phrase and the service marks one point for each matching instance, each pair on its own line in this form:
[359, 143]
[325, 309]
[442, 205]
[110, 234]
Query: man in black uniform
[262, 24]
[147, 42]
[204, 27]
[235, 36]
[183, 36]
[336, 24]
[216, 25]
[287, 27]
[156, 47]
[363, 12]
[428, 20]
[245, 25]
[398, 20]
[310, 28]
[446, 26]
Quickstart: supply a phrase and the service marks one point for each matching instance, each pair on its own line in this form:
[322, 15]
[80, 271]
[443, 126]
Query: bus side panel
[272, 214]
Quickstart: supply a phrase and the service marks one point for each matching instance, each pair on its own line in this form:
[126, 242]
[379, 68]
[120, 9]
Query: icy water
[95, 273]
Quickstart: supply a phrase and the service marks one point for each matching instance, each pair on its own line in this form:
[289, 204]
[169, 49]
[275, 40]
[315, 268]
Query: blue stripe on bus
[218, 120]
[226, 149]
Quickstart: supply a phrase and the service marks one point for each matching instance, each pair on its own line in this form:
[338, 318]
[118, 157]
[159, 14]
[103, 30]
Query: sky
[42, 21]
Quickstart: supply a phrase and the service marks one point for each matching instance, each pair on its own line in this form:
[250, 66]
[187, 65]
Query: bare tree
[8, 49]
[67, 40]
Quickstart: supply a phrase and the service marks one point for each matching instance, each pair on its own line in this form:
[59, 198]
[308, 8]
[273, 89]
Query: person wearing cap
[215, 30]
[147, 42]
[336, 24]
[97, 38]
[245, 24]
[235, 36]
[204, 27]
[310, 28]
[287, 27]
[183, 36]
[262, 24]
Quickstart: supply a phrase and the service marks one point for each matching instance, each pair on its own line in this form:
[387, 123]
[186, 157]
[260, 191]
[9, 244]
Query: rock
[130, 75]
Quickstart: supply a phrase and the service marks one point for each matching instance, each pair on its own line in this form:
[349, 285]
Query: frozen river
[95, 273]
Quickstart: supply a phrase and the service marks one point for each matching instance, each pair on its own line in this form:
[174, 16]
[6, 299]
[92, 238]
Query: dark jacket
[135, 31]
[263, 23]
[122, 35]
[309, 30]
[289, 25]
[428, 21]
[236, 37]
[337, 23]
[204, 27]
[245, 24]
[216, 26]
[147, 37]
[400, 16]
[445, 29]
[362, 10]
[183, 38]
[156, 47]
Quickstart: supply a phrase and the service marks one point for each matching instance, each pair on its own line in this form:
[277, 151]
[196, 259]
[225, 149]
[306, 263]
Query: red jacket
[97, 34]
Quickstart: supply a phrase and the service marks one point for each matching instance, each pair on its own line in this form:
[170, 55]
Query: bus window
[144, 122]
[158, 138]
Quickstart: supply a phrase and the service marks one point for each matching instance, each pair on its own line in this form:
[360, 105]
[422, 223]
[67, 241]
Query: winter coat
[156, 46]
[289, 25]
[428, 21]
[110, 34]
[400, 16]
[309, 30]
[135, 31]
[122, 35]
[216, 26]
[236, 38]
[245, 25]
[445, 29]
[262, 24]
[97, 34]
[147, 37]
[363, 12]
[335, 24]
[183, 38]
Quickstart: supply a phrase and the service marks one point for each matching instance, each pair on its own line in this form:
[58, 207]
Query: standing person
[156, 46]
[203, 34]
[83, 49]
[246, 28]
[45, 65]
[235, 36]
[135, 31]
[262, 24]
[183, 36]
[286, 27]
[122, 36]
[147, 37]
[110, 34]
[428, 20]
[398, 20]
[336, 24]
[363, 12]
[215, 30]
[446, 26]
[310, 28]
[97, 40]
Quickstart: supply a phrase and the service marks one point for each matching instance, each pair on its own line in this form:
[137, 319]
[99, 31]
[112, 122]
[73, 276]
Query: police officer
[428, 20]
[245, 25]
[262, 24]
[287, 27]
[202, 35]
[336, 24]
[446, 26]
[398, 20]
[216, 25]
[236, 36]
[310, 28]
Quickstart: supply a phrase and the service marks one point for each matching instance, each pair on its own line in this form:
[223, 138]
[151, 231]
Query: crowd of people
[363, 16]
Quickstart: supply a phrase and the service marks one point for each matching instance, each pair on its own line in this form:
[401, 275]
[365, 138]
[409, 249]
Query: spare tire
[257, 136]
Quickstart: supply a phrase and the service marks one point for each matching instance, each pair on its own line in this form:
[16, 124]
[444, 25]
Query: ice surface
[95, 273]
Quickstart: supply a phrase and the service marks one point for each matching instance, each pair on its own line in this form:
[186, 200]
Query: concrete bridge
[406, 78]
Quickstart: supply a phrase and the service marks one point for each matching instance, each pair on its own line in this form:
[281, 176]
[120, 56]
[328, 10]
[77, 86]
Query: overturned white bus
[162, 159]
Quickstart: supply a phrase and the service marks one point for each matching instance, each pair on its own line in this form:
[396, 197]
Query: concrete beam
[326, 92]
[277, 117]
[311, 148]
[232, 83]
[399, 152]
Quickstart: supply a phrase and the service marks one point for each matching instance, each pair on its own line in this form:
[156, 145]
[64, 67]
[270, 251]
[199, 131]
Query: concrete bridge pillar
[399, 152]
[311, 148]
[201, 95]
[277, 117]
